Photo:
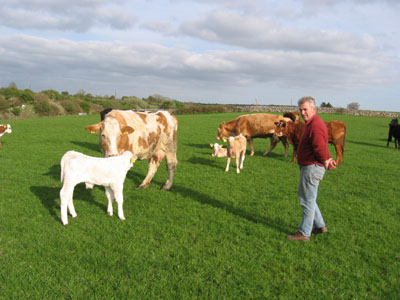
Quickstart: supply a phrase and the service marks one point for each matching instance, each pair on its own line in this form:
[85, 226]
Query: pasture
[214, 235]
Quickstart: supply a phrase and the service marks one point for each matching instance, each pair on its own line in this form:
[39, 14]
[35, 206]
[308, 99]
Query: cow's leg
[119, 198]
[110, 198]
[172, 162]
[242, 159]
[228, 161]
[153, 167]
[274, 141]
[339, 154]
[294, 154]
[251, 146]
[285, 143]
[237, 162]
[66, 201]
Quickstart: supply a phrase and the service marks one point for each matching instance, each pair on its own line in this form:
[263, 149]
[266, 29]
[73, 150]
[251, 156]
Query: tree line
[17, 103]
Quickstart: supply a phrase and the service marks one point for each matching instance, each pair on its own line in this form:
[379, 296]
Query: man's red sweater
[313, 145]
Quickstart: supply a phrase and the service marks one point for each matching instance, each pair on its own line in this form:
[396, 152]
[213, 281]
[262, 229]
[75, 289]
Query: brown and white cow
[294, 130]
[254, 126]
[151, 136]
[4, 128]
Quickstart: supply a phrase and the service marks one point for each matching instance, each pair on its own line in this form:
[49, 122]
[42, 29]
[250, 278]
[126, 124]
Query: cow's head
[222, 132]
[113, 138]
[280, 127]
[215, 148]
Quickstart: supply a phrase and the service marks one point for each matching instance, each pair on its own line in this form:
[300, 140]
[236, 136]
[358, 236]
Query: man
[314, 158]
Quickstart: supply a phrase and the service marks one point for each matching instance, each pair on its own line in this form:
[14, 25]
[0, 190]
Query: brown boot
[298, 236]
[320, 230]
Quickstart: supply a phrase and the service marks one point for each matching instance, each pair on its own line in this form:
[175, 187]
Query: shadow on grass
[211, 162]
[277, 224]
[201, 146]
[136, 177]
[90, 146]
[54, 172]
[384, 142]
[51, 199]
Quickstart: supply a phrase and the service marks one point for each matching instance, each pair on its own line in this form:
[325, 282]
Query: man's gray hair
[308, 99]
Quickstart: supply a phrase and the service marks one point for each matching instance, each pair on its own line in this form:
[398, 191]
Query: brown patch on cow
[153, 139]
[120, 118]
[143, 117]
[142, 143]
[163, 120]
[123, 144]
[175, 136]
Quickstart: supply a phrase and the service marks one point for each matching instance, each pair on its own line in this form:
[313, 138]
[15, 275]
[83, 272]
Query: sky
[210, 51]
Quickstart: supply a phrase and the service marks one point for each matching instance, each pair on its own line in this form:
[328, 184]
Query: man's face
[307, 111]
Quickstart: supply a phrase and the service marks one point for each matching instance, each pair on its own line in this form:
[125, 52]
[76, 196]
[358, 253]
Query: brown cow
[6, 128]
[254, 126]
[294, 130]
[151, 136]
[293, 115]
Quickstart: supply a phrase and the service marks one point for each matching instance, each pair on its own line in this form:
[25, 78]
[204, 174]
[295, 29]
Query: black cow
[394, 131]
[104, 112]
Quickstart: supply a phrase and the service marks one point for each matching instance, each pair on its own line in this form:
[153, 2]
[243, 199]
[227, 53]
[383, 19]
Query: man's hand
[330, 164]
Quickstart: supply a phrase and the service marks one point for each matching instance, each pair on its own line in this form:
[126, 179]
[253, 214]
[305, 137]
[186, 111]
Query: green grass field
[215, 235]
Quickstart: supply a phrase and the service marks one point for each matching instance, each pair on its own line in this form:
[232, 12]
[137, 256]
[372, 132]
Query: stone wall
[329, 110]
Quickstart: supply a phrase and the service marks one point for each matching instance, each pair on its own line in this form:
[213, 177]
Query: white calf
[109, 172]
[4, 128]
[218, 151]
[237, 149]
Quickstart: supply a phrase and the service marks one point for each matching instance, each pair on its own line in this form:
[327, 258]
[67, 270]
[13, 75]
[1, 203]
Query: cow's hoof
[142, 186]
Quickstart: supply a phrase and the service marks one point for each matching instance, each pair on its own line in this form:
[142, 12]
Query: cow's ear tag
[92, 132]
[133, 160]
[126, 132]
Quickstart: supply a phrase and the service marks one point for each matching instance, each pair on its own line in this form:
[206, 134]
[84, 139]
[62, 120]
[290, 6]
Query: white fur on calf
[218, 151]
[237, 149]
[109, 172]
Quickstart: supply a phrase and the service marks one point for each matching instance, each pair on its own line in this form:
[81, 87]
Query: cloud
[111, 61]
[253, 33]
[75, 16]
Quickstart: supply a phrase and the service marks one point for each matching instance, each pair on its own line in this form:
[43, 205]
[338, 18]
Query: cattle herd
[126, 136]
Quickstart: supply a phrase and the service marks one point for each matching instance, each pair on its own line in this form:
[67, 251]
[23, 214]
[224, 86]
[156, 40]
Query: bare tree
[353, 106]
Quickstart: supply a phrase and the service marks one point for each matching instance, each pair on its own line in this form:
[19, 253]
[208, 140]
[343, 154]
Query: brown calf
[294, 130]
[254, 126]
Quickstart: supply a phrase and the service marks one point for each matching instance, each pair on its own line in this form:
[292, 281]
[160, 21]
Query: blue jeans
[310, 176]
